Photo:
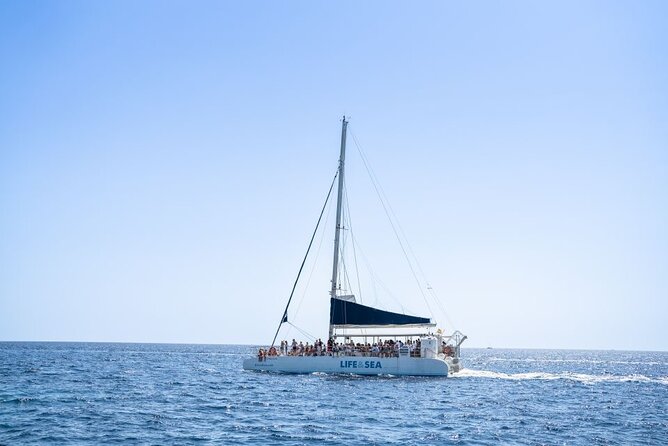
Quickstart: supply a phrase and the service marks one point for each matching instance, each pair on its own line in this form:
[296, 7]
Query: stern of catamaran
[450, 349]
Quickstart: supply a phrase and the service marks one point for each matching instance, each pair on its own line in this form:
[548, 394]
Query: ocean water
[92, 393]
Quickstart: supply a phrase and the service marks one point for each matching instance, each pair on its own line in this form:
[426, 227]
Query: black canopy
[345, 313]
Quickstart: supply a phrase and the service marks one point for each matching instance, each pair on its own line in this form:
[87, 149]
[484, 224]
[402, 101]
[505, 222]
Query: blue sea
[93, 393]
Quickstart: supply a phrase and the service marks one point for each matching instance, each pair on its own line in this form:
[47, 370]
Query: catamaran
[412, 345]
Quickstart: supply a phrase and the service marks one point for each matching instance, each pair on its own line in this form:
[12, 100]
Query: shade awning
[353, 315]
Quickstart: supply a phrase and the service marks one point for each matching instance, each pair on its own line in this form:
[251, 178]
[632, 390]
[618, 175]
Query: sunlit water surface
[152, 393]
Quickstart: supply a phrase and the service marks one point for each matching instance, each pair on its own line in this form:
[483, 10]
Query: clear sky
[162, 165]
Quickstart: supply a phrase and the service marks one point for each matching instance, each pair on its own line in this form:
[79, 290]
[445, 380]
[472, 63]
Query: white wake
[580, 377]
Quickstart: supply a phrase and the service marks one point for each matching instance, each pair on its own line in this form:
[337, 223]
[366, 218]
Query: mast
[342, 159]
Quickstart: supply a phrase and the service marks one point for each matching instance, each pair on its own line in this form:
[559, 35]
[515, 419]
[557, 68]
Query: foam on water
[580, 377]
[576, 361]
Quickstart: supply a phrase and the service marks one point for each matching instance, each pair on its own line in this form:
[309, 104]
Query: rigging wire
[284, 317]
[347, 226]
[376, 279]
[344, 285]
[315, 259]
[313, 266]
[352, 239]
[403, 234]
[427, 283]
[304, 332]
[376, 186]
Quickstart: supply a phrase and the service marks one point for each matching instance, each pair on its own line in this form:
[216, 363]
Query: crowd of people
[383, 349]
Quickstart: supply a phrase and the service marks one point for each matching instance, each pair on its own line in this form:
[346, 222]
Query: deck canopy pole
[342, 160]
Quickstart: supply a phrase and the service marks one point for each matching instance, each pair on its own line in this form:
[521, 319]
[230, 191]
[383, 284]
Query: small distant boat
[421, 351]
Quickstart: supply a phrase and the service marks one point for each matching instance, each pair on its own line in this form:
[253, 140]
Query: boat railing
[458, 337]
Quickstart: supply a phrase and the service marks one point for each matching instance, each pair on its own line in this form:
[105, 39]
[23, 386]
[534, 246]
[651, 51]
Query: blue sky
[162, 165]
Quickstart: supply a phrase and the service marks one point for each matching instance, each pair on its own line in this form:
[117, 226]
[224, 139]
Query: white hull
[358, 365]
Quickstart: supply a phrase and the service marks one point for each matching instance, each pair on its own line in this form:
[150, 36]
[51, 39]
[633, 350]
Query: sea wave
[54, 393]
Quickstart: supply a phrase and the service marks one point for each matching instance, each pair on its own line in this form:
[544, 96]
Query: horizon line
[259, 345]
